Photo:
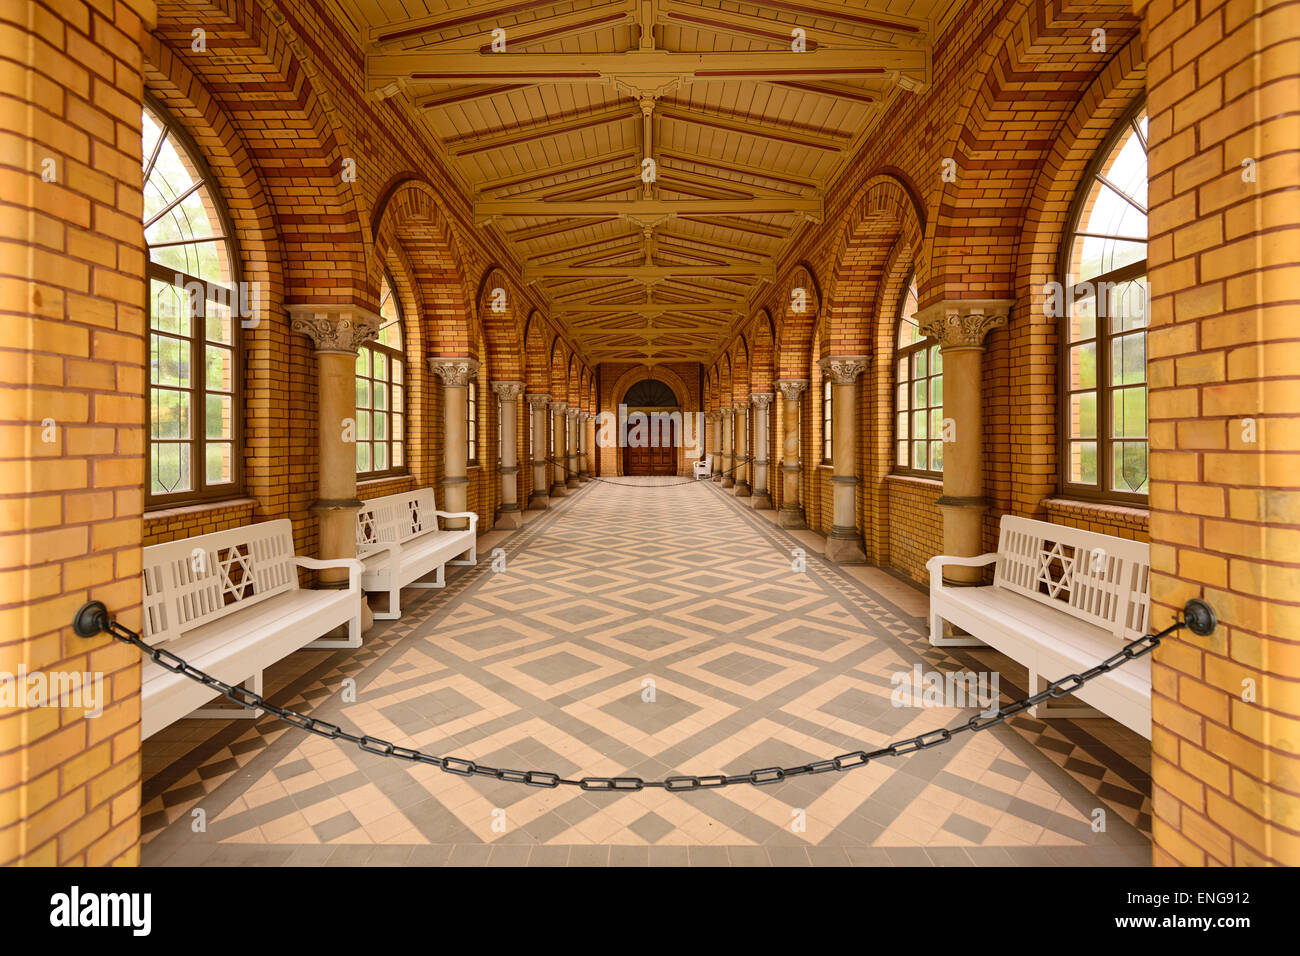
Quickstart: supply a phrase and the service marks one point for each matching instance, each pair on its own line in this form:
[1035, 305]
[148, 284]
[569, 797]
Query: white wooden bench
[230, 604]
[704, 467]
[400, 541]
[1061, 601]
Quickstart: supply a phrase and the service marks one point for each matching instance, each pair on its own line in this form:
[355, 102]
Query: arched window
[471, 421]
[918, 404]
[1103, 309]
[381, 392]
[826, 422]
[196, 305]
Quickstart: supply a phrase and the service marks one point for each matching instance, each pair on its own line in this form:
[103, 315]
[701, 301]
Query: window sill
[383, 480]
[230, 504]
[916, 481]
[1083, 507]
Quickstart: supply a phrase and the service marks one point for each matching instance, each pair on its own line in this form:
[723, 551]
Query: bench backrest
[1097, 577]
[393, 519]
[193, 581]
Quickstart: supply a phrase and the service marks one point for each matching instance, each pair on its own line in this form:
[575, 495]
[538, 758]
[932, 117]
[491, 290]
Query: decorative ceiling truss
[647, 161]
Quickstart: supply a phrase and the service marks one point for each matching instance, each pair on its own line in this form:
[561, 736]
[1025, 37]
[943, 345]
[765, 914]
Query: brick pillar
[558, 485]
[960, 326]
[844, 543]
[1224, 389]
[572, 477]
[537, 403]
[337, 332]
[73, 412]
[741, 441]
[455, 374]
[728, 448]
[510, 515]
[791, 513]
[717, 446]
[762, 401]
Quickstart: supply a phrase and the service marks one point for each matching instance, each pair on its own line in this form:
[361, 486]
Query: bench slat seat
[1062, 600]
[229, 603]
[400, 541]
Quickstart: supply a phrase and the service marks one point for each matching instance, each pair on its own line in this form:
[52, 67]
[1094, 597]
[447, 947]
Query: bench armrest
[471, 515]
[936, 565]
[317, 564]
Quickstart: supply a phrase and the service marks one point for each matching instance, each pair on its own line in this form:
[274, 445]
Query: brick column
[791, 513]
[740, 429]
[74, 408]
[1224, 390]
[762, 402]
[960, 326]
[716, 421]
[572, 477]
[844, 543]
[584, 448]
[508, 393]
[537, 403]
[455, 374]
[728, 447]
[338, 332]
[558, 452]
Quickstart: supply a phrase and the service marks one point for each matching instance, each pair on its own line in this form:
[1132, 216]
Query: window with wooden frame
[381, 393]
[1103, 309]
[471, 422]
[918, 390]
[827, 444]
[196, 304]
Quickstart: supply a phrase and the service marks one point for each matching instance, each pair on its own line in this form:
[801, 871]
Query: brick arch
[670, 378]
[537, 359]
[294, 131]
[795, 329]
[559, 370]
[1034, 337]
[762, 360]
[740, 371]
[886, 212]
[500, 329]
[1006, 126]
[411, 216]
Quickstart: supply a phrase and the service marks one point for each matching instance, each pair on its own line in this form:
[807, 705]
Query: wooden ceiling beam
[755, 126]
[647, 71]
[438, 23]
[736, 167]
[649, 209]
[539, 129]
[538, 176]
[646, 274]
[736, 306]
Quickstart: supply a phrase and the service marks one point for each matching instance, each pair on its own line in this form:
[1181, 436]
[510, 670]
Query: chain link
[535, 778]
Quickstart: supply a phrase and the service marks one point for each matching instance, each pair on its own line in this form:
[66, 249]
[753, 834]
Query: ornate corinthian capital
[538, 400]
[454, 371]
[792, 388]
[573, 413]
[507, 391]
[762, 399]
[963, 323]
[844, 369]
[334, 328]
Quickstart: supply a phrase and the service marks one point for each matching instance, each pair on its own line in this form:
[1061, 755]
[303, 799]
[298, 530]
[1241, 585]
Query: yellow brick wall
[72, 411]
[1224, 370]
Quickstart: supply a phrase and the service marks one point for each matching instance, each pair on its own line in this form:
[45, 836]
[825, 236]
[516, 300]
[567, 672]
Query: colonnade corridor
[645, 627]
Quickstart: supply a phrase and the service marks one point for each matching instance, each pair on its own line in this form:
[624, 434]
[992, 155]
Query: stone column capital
[792, 388]
[844, 369]
[558, 407]
[338, 328]
[454, 371]
[762, 399]
[508, 391]
[538, 399]
[963, 323]
[573, 413]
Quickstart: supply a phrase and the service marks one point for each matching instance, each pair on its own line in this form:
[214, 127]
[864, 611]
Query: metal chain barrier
[636, 484]
[93, 619]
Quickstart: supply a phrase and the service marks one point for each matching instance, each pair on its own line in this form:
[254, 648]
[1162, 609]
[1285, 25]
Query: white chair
[704, 468]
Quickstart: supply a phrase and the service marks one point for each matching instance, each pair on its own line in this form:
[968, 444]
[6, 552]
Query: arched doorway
[652, 442]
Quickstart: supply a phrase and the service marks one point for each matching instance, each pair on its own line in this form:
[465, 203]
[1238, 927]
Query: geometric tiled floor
[650, 630]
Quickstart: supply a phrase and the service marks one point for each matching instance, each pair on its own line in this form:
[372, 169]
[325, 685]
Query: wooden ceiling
[646, 160]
